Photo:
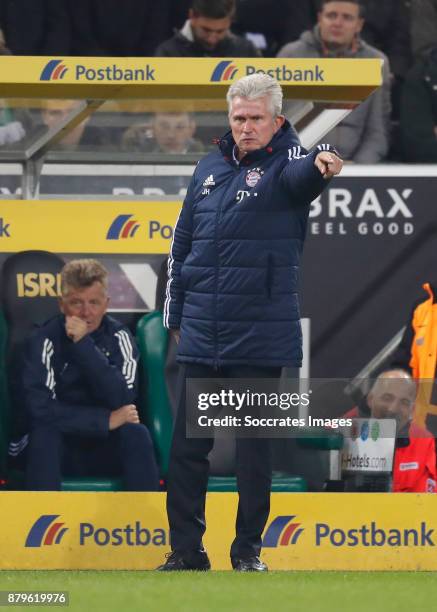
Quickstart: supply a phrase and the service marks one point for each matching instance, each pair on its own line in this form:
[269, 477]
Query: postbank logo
[224, 71]
[123, 226]
[282, 531]
[46, 531]
[54, 70]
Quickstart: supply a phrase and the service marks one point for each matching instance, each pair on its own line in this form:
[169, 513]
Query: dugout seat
[30, 288]
[152, 340]
[158, 362]
[4, 399]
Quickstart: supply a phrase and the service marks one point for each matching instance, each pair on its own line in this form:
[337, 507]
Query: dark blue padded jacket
[235, 255]
[75, 385]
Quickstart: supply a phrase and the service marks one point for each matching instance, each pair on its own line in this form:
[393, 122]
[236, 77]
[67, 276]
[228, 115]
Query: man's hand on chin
[75, 328]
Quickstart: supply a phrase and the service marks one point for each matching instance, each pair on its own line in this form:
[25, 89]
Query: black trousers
[189, 470]
[126, 452]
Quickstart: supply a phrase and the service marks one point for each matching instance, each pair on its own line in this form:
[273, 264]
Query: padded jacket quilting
[235, 256]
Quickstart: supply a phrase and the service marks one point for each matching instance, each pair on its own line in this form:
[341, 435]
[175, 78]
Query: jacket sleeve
[84, 40]
[374, 141]
[423, 25]
[419, 141]
[402, 355]
[180, 247]
[431, 480]
[300, 177]
[39, 389]
[57, 29]
[113, 380]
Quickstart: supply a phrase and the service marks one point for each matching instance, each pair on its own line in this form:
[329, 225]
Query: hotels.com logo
[224, 71]
[45, 531]
[54, 70]
[282, 532]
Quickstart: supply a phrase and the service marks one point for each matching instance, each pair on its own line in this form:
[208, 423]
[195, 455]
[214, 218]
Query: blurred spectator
[274, 23]
[207, 33]
[36, 27]
[419, 111]
[4, 49]
[387, 27]
[392, 397]
[178, 13]
[167, 133]
[114, 28]
[362, 137]
[14, 124]
[423, 25]
[82, 135]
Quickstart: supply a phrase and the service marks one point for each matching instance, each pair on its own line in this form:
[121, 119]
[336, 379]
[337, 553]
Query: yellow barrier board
[150, 77]
[304, 531]
[70, 226]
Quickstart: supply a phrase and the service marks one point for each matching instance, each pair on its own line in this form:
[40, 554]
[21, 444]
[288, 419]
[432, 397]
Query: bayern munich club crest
[253, 176]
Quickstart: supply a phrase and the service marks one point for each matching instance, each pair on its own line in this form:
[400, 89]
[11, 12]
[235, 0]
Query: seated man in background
[392, 397]
[419, 110]
[363, 136]
[79, 380]
[14, 123]
[207, 33]
[82, 135]
[171, 133]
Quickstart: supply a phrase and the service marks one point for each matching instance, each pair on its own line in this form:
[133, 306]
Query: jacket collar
[187, 31]
[285, 138]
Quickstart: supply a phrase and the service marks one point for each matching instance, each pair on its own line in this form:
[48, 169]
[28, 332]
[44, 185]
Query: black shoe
[186, 560]
[248, 564]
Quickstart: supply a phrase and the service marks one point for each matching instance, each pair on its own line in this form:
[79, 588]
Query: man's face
[56, 111]
[252, 123]
[393, 398]
[89, 304]
[339, 23]
[173, 131]
[209, 32]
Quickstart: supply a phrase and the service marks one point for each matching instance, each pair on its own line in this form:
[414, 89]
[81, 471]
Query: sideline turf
[223, 591]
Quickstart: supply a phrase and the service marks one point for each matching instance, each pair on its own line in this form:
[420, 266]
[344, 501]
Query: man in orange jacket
[392, 397]
[417, 354]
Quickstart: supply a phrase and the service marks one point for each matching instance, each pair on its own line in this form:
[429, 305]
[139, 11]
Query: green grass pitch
[221, 591]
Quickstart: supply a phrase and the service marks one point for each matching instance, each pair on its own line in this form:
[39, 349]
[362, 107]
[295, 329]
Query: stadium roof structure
[318, 92]
[126, 78]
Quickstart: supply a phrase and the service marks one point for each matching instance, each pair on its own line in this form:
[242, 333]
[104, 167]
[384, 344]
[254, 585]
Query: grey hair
[256, 86]
[82, 273]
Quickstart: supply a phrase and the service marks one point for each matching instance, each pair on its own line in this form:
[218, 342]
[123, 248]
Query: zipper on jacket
[217, 267]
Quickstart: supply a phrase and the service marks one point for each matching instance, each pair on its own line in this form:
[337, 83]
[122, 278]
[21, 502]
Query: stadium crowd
[397, 123]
